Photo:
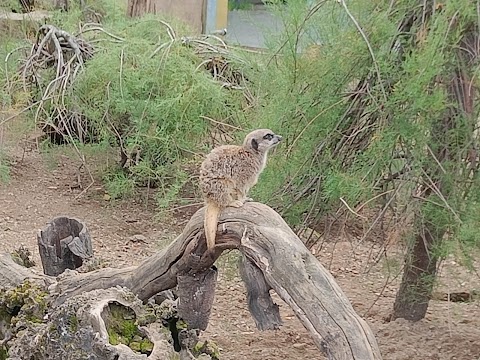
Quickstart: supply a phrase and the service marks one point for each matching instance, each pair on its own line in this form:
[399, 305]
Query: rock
[77, 329]
[138, 238]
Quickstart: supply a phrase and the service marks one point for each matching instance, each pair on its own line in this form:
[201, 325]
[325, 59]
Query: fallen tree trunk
[274, 258]
[13, 274]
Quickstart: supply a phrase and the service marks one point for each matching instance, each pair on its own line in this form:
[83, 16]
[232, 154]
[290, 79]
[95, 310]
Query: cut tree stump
[13, 23]
[64, 244]
[274, 258]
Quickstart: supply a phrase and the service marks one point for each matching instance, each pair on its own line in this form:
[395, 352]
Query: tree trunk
[419, 274]
[275, 257]
[191, 12]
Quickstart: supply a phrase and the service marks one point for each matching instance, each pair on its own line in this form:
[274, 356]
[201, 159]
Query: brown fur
[229, 172]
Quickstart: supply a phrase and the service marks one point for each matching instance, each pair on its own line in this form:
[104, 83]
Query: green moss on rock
[122, 329]
[3, 353]
[208, 348]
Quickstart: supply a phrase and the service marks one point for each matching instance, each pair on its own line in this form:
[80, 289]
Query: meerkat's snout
[275, 140]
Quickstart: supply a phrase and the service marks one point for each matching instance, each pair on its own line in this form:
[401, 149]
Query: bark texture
[64, 244]
[415, 292]
[270, 245]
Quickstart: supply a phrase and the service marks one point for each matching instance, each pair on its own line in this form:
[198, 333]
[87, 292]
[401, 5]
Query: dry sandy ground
[39, 190]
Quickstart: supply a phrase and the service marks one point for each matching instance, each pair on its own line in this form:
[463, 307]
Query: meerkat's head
[261, 140]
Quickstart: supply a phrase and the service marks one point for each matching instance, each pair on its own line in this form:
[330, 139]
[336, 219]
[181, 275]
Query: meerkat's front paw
[236, 204]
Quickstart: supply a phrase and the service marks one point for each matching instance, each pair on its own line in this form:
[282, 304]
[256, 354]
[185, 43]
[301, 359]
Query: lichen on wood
[78, 329]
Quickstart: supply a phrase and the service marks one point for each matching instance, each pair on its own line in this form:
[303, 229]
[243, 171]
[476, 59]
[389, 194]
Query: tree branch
[274, 252]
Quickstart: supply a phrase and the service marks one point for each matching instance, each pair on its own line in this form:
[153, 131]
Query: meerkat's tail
[212, 213]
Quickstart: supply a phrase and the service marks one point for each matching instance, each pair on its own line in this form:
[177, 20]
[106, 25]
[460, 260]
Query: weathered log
[195, 293]
[64, 244]
[272, 250]
[79, 327]
[13, 274]
[264, 311]
[287, 265]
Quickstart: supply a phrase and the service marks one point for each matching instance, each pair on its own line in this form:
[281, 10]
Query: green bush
[151, 104]
[339, 147]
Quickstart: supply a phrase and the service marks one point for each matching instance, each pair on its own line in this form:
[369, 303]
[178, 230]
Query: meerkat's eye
[268, 137]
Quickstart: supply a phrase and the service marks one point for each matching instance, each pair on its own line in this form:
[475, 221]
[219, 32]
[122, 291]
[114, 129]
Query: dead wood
[264, 311]
[64, 244]
[195, 310]
[269, 244]
[12, 274]
[66, 54]
[78, 329]
[274, 255]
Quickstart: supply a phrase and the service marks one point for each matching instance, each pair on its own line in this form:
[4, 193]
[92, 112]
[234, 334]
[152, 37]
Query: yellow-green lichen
[181, 325]
[73, 321]
[147, 318]
[122, 329]
[27, 300]
[207, 347]
[3, 353]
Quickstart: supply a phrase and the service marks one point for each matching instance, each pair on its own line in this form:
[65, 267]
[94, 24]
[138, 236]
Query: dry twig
[66, 54]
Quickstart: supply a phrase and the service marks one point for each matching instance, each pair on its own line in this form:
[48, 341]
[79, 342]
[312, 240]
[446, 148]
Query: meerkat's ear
[254, 144]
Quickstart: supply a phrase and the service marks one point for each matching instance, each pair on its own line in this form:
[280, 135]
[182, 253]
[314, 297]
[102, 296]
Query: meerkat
[229, 172]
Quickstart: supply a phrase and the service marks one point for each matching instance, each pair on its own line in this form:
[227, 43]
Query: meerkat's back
[230, 162]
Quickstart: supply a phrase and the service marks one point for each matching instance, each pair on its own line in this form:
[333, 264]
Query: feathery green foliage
[351, 122]
[152, 104]
[360, 113]
[156, 105]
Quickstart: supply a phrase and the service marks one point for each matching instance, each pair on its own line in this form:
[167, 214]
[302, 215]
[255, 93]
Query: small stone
[137, 338]
[138, 238]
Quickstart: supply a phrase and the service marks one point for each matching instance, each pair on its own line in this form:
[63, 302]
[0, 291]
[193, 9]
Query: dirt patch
[125, 232]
